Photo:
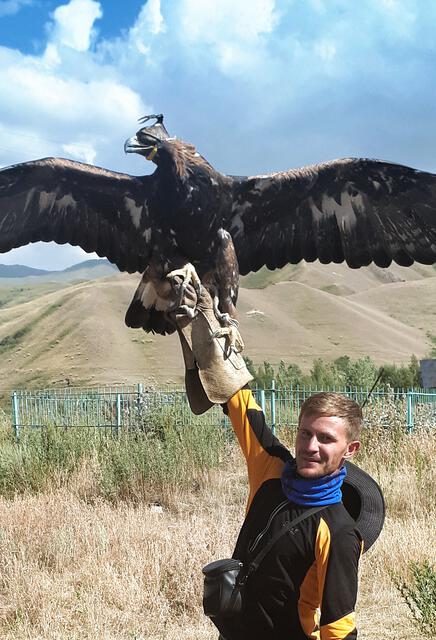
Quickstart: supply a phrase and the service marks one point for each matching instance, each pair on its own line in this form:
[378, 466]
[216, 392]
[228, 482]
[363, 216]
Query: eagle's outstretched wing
[75, 203]
[357, 210]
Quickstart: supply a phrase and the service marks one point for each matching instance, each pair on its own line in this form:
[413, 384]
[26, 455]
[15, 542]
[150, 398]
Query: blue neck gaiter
[312, 492]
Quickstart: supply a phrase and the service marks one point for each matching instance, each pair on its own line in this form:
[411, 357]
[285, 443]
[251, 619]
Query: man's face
[321, 445]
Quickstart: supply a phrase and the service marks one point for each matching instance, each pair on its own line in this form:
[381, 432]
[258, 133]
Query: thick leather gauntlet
[214, 369]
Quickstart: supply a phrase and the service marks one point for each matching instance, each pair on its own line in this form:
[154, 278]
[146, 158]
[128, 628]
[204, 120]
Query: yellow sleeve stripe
[311, 594]
[308, 603]
[322, 551]
[339, 629]
[261, 465]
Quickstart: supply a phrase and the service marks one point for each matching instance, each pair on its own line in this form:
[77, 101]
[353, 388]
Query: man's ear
[353, 447]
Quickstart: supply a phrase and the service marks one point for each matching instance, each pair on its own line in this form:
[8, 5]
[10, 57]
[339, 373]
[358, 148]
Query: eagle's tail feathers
[151, 320]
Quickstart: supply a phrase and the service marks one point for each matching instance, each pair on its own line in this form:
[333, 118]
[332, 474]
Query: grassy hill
[58, 332]
[337, 278]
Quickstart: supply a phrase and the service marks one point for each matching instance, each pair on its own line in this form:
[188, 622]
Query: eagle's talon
[233, 338]
[187, 311]
[225, 319]
[188, 273]
[180, 290]
[180, 279]
[233, 322]
[198, 288]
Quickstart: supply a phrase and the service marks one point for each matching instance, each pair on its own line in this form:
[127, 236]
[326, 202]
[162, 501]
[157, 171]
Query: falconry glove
[214, 367]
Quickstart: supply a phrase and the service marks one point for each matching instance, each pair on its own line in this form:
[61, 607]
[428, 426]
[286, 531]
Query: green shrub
[340, 373]
[124, 464]
[420, 595]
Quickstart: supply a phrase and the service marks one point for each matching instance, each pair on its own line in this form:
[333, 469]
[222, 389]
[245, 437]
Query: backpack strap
[287, 526]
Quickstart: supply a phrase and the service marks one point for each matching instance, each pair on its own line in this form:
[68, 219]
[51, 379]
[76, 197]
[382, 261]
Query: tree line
[340, 373]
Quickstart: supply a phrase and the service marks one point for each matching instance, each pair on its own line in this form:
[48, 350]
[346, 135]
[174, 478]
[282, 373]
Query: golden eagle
[187, 216]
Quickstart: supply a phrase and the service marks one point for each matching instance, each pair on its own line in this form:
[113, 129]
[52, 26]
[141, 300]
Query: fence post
[262, 400]
[409, 399]
[273, 406]
[15, 415]
[118, 413]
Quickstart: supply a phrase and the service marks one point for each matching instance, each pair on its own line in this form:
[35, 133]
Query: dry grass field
[77, 564]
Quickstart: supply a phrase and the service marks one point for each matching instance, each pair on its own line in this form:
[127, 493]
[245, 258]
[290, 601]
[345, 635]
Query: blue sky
[256, 85]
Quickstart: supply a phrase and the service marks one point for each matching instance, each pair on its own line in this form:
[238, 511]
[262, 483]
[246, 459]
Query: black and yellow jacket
[306, 587]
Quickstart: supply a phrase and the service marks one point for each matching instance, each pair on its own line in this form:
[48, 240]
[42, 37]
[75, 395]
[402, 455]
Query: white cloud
[73, 23]
[52, 104]
[233, 31]
[149, 23]
[51, 56]
[150, 18]
[226, 20]
[82, 151]
[65, 99]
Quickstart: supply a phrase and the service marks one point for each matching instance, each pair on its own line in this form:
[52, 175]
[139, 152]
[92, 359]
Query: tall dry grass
[79, 561]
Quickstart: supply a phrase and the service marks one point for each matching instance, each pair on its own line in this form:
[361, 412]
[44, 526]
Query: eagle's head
[148, 140]
[155, 144]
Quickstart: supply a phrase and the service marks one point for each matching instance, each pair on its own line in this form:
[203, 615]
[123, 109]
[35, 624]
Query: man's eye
[325, 438]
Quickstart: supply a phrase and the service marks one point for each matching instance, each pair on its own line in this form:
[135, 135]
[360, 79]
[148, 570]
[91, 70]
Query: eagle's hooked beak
[133, 145]
[148, 140]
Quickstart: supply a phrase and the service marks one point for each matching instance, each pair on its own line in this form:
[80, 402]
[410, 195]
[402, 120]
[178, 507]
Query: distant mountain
[21, 271]
[90, 264]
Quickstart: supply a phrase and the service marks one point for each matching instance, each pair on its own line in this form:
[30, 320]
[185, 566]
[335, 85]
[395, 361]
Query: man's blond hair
[327, 403]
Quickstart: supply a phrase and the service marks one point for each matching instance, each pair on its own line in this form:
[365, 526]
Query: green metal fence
[134, 407]
[421, 405]
[106, 409]
[412, 407]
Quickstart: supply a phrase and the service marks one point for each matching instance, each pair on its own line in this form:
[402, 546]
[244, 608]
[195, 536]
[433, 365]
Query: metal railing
[106, 409]
[415, 407]
[415, 402]
[135, 407]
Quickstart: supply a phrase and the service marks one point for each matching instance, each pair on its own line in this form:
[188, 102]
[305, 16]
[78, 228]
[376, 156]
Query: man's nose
[312, 444]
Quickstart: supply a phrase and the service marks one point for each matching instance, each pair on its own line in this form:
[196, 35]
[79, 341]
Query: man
[306, 585]
[315, 566]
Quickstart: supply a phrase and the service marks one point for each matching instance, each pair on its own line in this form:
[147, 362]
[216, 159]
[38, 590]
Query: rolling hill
[12, 274]
[59, 333]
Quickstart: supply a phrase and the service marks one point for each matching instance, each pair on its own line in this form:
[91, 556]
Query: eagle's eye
[144, 137]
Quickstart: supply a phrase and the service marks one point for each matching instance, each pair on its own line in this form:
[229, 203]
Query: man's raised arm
[264, 453]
